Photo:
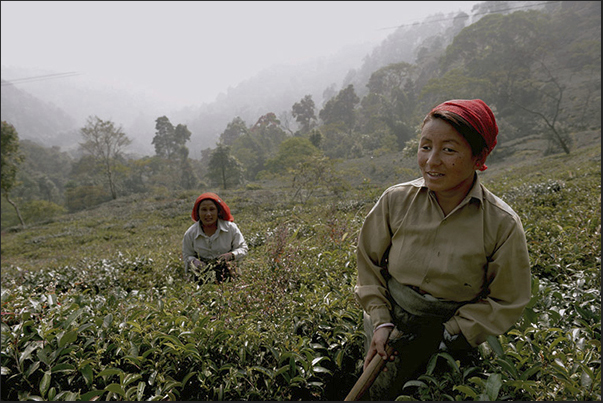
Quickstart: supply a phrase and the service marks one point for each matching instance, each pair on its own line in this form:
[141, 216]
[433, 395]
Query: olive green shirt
[479, 245]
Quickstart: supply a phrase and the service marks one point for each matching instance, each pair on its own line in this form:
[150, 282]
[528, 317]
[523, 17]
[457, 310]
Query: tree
[44, 172]
[514, 62]
[268, 132]
[105, 143]
[235, 129]
[341, 109]
[250, 154]
[303, 112]
[391, 101]
[291, 152]
[258, 144]
[551, 95]
[181, 136]
[171, 150]
[224, 168]
[164, 136]
[188, 179]
[47, 187]
[339, 118]
[316, 138]
[312, 174]
[11, 158]
[170, 142]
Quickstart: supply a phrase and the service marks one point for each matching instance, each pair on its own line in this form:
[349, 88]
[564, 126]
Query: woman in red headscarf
[213, 240]
[441, 259]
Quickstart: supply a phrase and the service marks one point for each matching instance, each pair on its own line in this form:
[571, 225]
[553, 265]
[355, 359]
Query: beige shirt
[480, 243]
[227, 238]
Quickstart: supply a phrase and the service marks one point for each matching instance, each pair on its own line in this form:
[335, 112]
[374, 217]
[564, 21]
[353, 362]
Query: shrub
[94, 306]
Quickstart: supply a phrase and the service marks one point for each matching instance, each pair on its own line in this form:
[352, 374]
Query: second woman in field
[214, 241]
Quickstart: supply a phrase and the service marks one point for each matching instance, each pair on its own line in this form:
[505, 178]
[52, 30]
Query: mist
[131, 62]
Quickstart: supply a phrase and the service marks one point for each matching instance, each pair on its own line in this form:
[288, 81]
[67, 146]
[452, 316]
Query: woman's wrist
[384, 325]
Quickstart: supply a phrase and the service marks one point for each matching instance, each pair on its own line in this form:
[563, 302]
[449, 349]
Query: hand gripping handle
[372, 370]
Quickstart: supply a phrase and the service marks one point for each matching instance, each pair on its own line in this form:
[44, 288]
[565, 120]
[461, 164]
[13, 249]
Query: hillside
[509, 156]
[51, 111]
[114, 221]
[38, 120]
[95, 304]
[545, 94]
[275, 89]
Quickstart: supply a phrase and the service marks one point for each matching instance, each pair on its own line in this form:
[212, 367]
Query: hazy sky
[189, 52]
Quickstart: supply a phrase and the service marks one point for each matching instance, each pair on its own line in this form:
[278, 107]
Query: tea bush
[95, 305]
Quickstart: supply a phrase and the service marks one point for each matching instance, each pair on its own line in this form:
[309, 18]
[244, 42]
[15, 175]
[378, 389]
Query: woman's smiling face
[445, 159]
[208, 212]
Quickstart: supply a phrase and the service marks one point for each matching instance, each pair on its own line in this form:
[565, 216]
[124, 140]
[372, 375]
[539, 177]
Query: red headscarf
[479, 116]
[222, 207]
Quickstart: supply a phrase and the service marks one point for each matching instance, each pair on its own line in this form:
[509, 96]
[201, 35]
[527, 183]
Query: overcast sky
[189, 52]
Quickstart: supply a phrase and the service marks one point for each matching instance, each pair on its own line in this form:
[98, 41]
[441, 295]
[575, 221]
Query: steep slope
[35, 119]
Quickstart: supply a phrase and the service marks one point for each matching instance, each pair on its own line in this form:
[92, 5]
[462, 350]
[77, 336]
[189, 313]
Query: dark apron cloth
[412, 311]
[420, 317]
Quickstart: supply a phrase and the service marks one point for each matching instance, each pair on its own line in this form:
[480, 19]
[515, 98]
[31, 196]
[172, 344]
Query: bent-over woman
[214, 241]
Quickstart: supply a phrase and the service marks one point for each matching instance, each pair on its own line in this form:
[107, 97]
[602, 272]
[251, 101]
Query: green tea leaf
[107, 321]
[32, 368]
[264, 371]
[116, 388]
[495, 345]
[71, 318]
[414, 383]
[45, 383]
[493, 385]
[466, 390]
[87, 374]
[140, 390]
[90, 395]
[110, 371]
[68, 337]
[64, 367]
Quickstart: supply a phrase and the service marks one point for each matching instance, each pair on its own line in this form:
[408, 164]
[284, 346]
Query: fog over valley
[199, 64]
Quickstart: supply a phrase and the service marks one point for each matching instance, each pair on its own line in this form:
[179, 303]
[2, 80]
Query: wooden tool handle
[368, 376]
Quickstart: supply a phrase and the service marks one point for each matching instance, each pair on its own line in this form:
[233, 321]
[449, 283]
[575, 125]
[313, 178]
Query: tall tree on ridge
[11, 158]
[105, 143]
[303, 112]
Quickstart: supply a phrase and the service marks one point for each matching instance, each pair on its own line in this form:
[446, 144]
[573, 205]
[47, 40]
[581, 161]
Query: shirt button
[427, 280]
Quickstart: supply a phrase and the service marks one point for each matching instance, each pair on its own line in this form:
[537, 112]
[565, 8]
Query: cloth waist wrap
[412, 311]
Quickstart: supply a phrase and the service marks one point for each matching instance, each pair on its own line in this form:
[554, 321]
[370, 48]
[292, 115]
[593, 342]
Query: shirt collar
[222, 226]
[475, 192]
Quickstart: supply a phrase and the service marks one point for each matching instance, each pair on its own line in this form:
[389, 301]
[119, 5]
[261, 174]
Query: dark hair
[473, 137]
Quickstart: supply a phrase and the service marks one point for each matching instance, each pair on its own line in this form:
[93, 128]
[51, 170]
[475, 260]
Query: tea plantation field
[95, 305]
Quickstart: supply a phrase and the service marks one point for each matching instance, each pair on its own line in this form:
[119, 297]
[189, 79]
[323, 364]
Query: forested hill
[277, 89]
[38, 120]
[539, 70]
[274, 90]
